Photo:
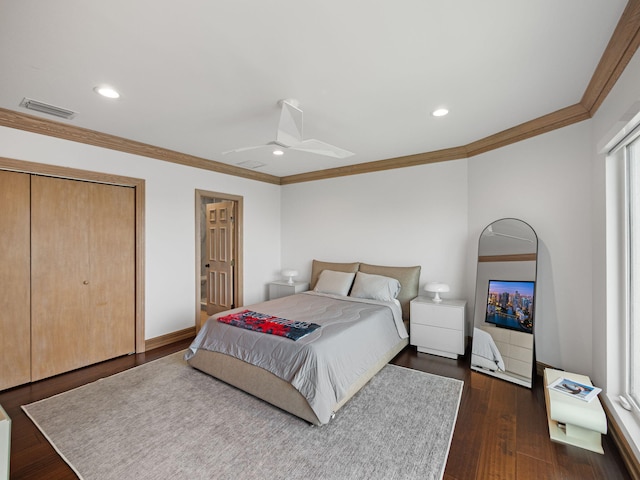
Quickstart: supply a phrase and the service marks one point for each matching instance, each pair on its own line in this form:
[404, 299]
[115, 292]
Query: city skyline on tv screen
[510, 304]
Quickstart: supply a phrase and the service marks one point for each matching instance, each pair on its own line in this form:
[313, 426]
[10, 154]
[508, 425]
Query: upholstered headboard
[409, 278]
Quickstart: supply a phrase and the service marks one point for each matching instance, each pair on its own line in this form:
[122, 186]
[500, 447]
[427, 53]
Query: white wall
[410, 216]
[546, 182]
[432, 216]
[169, 222]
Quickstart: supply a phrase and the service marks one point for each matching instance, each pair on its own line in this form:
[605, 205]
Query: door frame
[138, 185]
[238, 280]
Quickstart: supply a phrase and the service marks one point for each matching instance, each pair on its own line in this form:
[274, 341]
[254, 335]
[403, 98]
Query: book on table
[574, 389]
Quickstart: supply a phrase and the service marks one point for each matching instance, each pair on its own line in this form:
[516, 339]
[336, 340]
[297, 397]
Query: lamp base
[436, 298]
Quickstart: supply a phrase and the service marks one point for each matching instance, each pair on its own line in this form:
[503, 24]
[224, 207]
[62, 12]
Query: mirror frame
[521, 242]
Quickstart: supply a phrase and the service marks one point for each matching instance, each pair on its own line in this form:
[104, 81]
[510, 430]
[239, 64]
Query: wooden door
[220, 256]
[112, 272]
[15, 312]
[82, 274]
[59, 275]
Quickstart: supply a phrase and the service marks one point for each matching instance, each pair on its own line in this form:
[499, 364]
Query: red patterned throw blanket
[262, 322]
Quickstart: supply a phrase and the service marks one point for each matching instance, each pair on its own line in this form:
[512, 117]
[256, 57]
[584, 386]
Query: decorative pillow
[336, 283]
[375, 287]
[318, 266]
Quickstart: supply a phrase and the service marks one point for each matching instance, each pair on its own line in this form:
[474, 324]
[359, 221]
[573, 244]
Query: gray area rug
[165, 420]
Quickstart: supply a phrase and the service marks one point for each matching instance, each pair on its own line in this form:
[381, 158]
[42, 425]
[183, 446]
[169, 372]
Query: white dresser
[516, 349]
[282, 289]
[438, 328]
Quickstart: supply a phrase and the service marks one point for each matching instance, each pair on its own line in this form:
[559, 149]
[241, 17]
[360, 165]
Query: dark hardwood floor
[501, 430]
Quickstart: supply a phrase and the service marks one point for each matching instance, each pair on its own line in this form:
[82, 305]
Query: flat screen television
[510, 304]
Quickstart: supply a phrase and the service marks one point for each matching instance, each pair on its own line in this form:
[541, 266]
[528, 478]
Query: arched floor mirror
[504, 311]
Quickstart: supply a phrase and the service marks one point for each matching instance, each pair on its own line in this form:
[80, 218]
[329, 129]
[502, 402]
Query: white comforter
[485, 353]
[322, 365]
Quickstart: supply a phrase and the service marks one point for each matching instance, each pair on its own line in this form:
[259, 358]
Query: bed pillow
[336, 283]
[375, 287]
[318, 266]
[408, 277]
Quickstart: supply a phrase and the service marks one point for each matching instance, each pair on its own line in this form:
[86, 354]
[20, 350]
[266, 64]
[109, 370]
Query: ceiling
[202, 77]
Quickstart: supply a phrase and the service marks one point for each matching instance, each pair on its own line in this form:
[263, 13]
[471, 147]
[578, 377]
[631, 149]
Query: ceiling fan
[289, 135]
[492, 233]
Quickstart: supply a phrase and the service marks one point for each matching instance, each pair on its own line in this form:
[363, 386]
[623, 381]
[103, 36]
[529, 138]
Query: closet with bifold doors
[67, 275]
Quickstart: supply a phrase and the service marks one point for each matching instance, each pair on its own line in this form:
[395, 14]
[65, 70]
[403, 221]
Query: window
[626, 158]
[621, 283]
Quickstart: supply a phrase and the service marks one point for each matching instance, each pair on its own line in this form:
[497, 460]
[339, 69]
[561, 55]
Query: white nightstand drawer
[436, 338]
[437, 315]
[518, 366]
[519, 353]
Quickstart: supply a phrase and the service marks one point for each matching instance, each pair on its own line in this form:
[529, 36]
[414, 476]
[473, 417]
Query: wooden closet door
[112, 264]
[59, 276]
[15, 313]
[82, 292]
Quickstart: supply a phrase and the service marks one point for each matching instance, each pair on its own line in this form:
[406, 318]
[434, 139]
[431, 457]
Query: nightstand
[282, 289]
[438, 328]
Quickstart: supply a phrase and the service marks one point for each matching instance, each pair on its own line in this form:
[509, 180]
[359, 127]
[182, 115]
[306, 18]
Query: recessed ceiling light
[106, 91]
[440, 112]
[278, 152]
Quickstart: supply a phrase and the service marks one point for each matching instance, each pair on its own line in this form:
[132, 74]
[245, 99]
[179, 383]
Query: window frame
[631, 146]
[616, 284]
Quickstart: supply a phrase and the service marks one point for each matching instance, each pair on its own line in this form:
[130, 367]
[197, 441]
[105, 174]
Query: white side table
[574, 421]
[438, 328]
[282, 289]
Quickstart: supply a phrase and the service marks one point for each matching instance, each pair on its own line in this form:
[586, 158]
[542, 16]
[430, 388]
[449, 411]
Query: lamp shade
[437, 288]
[289, 272]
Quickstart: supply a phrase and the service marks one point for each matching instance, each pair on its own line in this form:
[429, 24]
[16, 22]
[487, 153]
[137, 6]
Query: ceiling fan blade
[491, 233]
[321, 148]
[244, 149]
[290, 125]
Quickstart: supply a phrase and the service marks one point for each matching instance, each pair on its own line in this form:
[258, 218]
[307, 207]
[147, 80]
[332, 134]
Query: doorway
[203, 263]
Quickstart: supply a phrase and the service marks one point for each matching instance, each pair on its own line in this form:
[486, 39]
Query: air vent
[253, 164]
[46, 108]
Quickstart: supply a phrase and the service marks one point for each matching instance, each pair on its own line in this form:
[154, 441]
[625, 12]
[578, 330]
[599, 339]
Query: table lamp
[288, 272]
[437, 288]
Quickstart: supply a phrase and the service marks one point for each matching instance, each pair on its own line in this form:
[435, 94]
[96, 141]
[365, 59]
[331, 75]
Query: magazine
[575, 389]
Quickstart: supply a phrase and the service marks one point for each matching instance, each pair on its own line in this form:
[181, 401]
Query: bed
[314, 376]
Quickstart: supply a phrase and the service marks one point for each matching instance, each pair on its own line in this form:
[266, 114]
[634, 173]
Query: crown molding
[621, 47]
[42, 126]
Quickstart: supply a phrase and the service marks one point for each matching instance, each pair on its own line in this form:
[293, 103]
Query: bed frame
[270, 388]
